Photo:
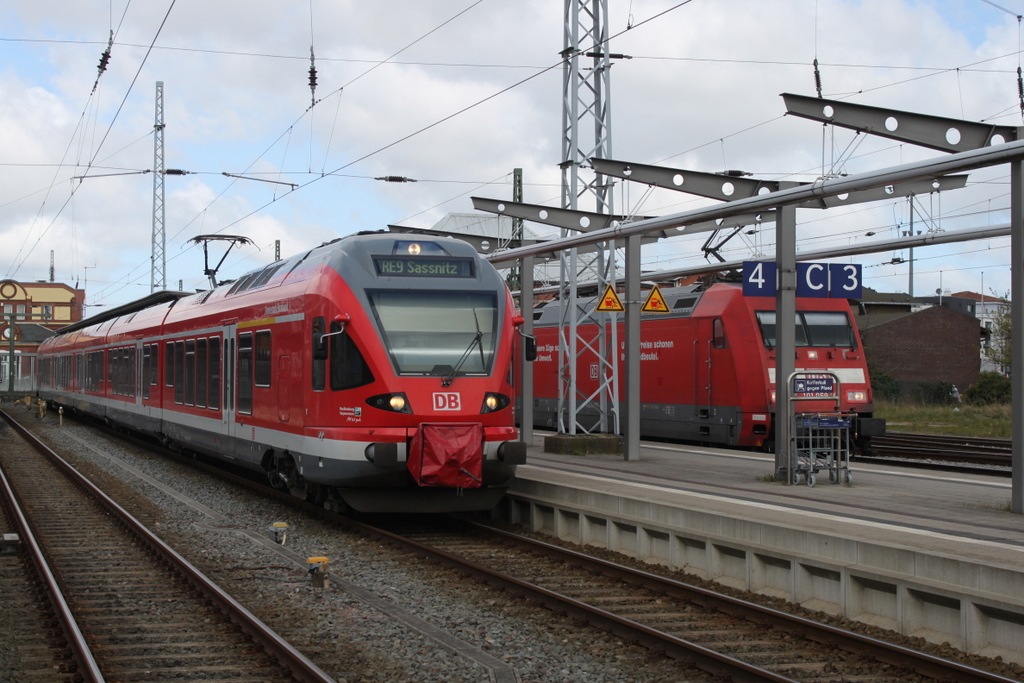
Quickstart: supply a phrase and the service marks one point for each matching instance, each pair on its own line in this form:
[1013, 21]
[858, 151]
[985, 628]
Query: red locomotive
[373, 372]
[708, 366]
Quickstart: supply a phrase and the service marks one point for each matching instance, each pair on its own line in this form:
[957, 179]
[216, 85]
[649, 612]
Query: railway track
[721, 635]
[951, 453]
[129, 607]
[713, 632]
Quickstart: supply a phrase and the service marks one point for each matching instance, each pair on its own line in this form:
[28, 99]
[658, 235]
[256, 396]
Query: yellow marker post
[319, 571]
[610, 302]
[655, 302]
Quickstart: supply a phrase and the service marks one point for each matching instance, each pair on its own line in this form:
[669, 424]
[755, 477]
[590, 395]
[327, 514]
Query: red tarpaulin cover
[447, 455]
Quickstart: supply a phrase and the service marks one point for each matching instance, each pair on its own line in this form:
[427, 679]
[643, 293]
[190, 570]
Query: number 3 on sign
[846, 280]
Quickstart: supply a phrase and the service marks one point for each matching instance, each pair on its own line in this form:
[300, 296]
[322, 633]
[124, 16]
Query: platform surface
[955, 515]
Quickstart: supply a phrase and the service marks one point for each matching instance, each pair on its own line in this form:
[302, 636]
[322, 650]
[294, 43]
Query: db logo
[447, 401]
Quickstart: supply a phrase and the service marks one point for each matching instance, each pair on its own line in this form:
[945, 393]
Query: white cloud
[701, 93]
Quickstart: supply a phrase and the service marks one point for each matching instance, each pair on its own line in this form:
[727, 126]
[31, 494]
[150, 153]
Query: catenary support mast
[158, 280]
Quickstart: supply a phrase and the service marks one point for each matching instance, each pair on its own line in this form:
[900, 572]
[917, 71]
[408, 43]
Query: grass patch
[767, 478]
[1005, 507]
[965, 420]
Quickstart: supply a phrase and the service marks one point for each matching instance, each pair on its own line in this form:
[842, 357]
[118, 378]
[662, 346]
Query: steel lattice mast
[158, 280]
[586, 107]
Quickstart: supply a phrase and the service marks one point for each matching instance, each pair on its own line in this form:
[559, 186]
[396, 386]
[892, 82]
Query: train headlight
[493, 402]
[414, 249]
[395, 403]
[857, 396]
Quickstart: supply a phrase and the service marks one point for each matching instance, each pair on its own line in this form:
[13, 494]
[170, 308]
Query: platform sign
[812, 280]
[812, 386]
[610, 302]
[759, 278]
[845, 281]
[815, 280]
[655, 302]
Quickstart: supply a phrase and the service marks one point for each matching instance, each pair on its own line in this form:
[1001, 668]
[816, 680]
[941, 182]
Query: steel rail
[87, 667]
[889, 653]
[963, 161]
[288, 656]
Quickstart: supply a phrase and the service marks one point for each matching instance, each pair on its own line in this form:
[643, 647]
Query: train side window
[718, 333]
[202, 373]
[263, 356]
[131, 370]
[154, 366]
[319, 365]
[348, 369]
[244, 377]
[190, 372]
[179, 372]
[169, 364]
[214, 373]
[147, 361]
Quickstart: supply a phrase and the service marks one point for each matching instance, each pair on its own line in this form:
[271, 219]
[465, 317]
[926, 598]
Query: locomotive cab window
[718, 333]
[813, 328]
[348, 368]
[437, 333]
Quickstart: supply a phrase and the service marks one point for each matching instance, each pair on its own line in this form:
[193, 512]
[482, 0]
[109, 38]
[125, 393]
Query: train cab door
[702, 369]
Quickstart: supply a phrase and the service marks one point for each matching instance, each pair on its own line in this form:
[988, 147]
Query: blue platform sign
[845, 281]
[759, 278]
[820, 280]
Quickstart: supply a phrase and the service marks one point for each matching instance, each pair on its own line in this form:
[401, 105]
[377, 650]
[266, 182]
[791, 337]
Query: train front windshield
[813, 328]
[438, 333]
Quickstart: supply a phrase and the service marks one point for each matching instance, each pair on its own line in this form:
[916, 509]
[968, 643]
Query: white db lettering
[447, 401]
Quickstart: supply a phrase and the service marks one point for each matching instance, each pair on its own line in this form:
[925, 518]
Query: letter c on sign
[810, 282]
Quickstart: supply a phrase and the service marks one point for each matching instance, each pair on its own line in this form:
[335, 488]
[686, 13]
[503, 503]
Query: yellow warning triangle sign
[609, 301]
[655, 302]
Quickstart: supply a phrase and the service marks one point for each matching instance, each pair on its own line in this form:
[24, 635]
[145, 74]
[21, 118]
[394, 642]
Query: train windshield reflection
[428, 333]
[813, 328]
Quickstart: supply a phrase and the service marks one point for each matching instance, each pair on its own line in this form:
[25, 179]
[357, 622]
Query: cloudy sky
[456, 94]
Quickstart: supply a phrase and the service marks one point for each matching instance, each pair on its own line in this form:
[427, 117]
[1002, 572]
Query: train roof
[154, 299]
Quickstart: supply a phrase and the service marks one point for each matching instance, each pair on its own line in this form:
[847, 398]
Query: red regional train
[372, 372]
[708, 366]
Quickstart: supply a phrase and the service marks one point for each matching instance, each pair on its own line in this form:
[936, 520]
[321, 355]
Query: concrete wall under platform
[973, 606]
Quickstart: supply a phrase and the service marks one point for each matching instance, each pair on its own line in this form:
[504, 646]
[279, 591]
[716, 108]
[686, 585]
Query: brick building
[917, 346]
[38, 309]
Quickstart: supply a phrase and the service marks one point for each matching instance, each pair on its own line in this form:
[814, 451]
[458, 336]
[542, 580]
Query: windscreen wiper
[450, 377]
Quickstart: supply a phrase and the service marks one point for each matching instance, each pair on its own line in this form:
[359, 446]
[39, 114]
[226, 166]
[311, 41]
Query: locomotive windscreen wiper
[447, 379]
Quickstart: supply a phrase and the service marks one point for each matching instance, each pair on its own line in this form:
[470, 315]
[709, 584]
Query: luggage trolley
[820, 441]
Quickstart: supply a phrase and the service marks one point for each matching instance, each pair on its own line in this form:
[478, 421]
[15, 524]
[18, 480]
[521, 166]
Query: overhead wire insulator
[104, 61]
[1020, 91]
[396, 179]
[312, 77]
[817, 77]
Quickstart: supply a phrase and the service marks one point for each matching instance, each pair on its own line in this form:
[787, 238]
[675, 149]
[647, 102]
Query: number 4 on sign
[609, 302]
[655, 302]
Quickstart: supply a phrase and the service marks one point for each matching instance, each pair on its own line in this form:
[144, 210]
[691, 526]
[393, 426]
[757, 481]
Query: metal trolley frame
[820, 441]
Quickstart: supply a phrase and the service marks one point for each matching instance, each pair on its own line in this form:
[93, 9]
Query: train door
[141, 381]
[702, 369]
[229, 428]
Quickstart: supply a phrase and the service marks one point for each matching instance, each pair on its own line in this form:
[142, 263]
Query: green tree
[1000, 344]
